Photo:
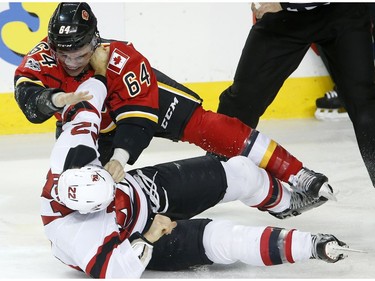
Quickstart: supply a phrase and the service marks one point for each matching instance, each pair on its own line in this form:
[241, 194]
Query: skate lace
[301, 200]
[304, 180]
[149, 186]
[331, 95]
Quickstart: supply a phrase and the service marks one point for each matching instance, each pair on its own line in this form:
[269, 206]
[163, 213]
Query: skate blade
[326, 191]
[335, 251]
[325, 114]
[339, 248]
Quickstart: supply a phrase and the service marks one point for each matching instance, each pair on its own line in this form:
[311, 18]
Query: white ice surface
[326, 147]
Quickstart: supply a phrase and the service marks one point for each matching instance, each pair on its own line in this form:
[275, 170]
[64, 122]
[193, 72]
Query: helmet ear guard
[88, 189]
[72, 26]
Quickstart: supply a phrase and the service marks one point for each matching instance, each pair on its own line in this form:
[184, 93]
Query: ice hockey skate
[328, 248]
[330, 108]
[300, 202]
[314, 184]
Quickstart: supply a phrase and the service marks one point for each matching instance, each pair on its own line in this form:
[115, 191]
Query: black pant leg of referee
[269, 57]
[351, 59]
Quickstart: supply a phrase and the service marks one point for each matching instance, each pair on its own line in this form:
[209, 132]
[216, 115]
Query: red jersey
[132, 98]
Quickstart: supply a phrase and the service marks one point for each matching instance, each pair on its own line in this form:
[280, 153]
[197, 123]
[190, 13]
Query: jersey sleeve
[133, 99]
[32, 95]
[100, 254]
[77, 144]
[130, 259]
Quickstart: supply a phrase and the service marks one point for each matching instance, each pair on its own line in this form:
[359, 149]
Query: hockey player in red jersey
[111, 230]
[141, 102]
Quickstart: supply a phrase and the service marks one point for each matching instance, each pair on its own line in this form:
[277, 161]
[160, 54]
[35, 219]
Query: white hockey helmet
[88, 189]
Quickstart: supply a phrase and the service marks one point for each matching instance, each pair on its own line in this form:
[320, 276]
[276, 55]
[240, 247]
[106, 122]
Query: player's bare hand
[99, 60]
[261, 8]
[116, 170]
[61, 99]
[160, 226]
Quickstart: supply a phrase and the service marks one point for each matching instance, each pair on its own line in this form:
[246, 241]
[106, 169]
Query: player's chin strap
[149, 186]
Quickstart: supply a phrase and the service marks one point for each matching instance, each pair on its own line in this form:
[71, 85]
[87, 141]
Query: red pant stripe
[288, 246]
[264, 246]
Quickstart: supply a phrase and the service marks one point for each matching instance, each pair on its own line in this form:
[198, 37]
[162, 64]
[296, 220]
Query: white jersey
[96, 243]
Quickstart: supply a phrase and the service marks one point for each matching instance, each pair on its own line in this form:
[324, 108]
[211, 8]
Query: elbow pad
[35, 101]
[44, 101]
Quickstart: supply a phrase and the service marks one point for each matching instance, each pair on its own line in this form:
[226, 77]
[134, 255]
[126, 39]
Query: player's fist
[116, 170]
[161, 225]
[99, 60]
[261, 8]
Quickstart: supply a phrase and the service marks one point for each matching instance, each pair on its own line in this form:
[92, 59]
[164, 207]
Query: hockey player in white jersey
[118, 230]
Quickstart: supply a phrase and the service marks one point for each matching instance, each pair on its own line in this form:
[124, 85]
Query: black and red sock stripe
[274, 195]
[276, 246]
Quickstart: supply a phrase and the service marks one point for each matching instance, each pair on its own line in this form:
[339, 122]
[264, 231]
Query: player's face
[74, 62]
